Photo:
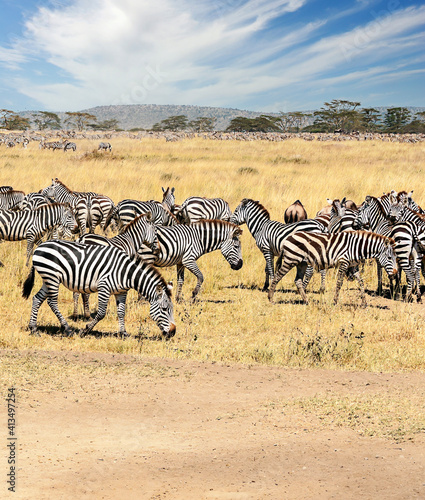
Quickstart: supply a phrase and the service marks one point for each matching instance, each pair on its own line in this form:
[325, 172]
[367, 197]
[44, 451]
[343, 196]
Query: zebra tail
[89, 218]
[109, 217]
[28, 284]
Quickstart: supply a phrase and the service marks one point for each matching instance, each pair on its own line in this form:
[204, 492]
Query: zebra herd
[155, 234]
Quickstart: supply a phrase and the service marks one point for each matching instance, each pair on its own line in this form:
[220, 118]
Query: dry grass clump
[233, 321]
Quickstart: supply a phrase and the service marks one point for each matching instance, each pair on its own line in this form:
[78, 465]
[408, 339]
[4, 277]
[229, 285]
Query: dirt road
[205, 431]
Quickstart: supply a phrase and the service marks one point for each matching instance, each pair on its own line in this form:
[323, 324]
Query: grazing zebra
[183, 245]
[10, 198]
[31, 225]
[127, 210]
[168, 199]
[269, 235]
[69, 146]
[194, 209]
[105, 146]
[103, 269]
[374, 215]
[328, 250]
[137, 233]
[91, 208]
[295, 213]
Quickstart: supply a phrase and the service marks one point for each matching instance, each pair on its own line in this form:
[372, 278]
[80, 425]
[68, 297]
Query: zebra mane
[64, 185]
[141, 263]
[217, 222]
[13, 191]
[421, 216]
[376, 236]
[132, 223]
[261, 207]
[379, 203]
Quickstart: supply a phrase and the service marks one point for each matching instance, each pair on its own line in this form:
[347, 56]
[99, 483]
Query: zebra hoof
[265, 289]
[124, 335]
[33, 331]
[68, 332]
[82, 333]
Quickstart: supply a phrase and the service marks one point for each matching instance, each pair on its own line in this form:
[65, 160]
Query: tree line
[336, 115]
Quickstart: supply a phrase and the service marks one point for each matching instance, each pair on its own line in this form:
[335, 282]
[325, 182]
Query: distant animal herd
[154, 234]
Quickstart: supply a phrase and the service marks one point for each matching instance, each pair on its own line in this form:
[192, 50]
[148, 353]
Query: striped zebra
[91, 208]
[69, 146]
[168, 199]
[194, 209]
[10, 198]
[105, 146]
[31, 201]
[137, 233]
[323, 251]
[127, 210]
[374, 214]
[103, 269]
[269, 235]
[182, 245]
[31, 225]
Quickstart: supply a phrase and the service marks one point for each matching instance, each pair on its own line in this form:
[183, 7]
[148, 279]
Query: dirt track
[207, 431]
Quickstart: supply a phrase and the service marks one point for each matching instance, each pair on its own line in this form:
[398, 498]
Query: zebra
[5, 189]
[269, 234]
[94, 268]
[126, 210]
[10, 198]
[374, 214]
[69, 145]
[295, 213]
[10, 144]
[105, 146]
[183, 245]
[328, 250]
[31, 201]
[168, 199]
[194, 209]
[137, 233]
[31, 225]
[91, 208]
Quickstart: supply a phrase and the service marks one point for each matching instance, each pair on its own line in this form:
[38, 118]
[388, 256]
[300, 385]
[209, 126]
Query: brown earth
[159, 429]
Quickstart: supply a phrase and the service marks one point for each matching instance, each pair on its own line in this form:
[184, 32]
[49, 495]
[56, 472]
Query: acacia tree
[396, 119]
[202, 124]
[263, 123]
[111, 124]
[370, 119]
[6, 115]
[46, 119]
[174, 123]
[338, 115]
[79, 120]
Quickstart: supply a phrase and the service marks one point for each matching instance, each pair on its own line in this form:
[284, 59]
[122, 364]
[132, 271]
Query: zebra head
[144, 226]
[240, 214]
[395, 212]
[168, 199]
[161, 310]
[68, 224]
[387, 258]
[362, 221]
[49, 191]
[231, 248]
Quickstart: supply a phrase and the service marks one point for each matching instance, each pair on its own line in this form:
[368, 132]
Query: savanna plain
[249, 399]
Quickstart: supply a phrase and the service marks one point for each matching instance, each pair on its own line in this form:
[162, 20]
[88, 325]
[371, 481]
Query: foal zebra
[194, 209]
[10, 198]
[31, 225]
[183, 245]
[103, 269]
[328, 250]
[269, 235]
[136, 234]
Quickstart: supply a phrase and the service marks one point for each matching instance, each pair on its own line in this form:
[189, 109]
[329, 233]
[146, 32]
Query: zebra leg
[120, 300]
[52, 300]
[38, 299]
[86, 305]
[301, 271]
[104, 294]
[285, 267]
[75, 296]
[379, 273]
[307, 276]
[180, 281]
[340, 278]
[193, 268]
[30, 249]
[269, 268]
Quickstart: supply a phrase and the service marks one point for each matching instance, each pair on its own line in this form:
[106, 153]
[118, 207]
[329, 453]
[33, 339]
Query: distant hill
[146, 115]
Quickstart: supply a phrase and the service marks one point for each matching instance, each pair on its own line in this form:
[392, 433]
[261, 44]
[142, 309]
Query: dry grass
[233, 320]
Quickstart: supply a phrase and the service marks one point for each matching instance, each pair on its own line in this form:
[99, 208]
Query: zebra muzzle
[237, 266]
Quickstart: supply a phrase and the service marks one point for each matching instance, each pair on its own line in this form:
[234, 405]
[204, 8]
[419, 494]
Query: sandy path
[208, 432]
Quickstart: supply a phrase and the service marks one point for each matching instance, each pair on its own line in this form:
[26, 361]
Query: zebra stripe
[32, 225]
[328, 250]
[182, 245]
[103, 269]
[69, 146]
[127, 210]
[105, 146]
[31, 201]
[269, 235]
[194, 209]
[168, 199]
[10, 198]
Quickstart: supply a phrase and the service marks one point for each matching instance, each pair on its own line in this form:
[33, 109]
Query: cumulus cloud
[207, 53]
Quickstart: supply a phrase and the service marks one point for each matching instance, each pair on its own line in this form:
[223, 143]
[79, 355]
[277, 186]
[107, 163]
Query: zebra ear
[329, 201]
[343, 201]
[172, 190]
[410, 194]
[163, 190]
[368, 199]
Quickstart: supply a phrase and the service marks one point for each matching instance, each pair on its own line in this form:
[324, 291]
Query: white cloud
[121, 51]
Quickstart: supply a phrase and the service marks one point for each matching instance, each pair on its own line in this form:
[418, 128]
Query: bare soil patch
[104, 426]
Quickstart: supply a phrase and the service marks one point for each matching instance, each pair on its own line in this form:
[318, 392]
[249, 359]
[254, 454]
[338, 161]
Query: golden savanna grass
[232, 321]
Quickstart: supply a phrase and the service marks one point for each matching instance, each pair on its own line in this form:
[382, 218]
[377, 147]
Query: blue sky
[67, 55]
